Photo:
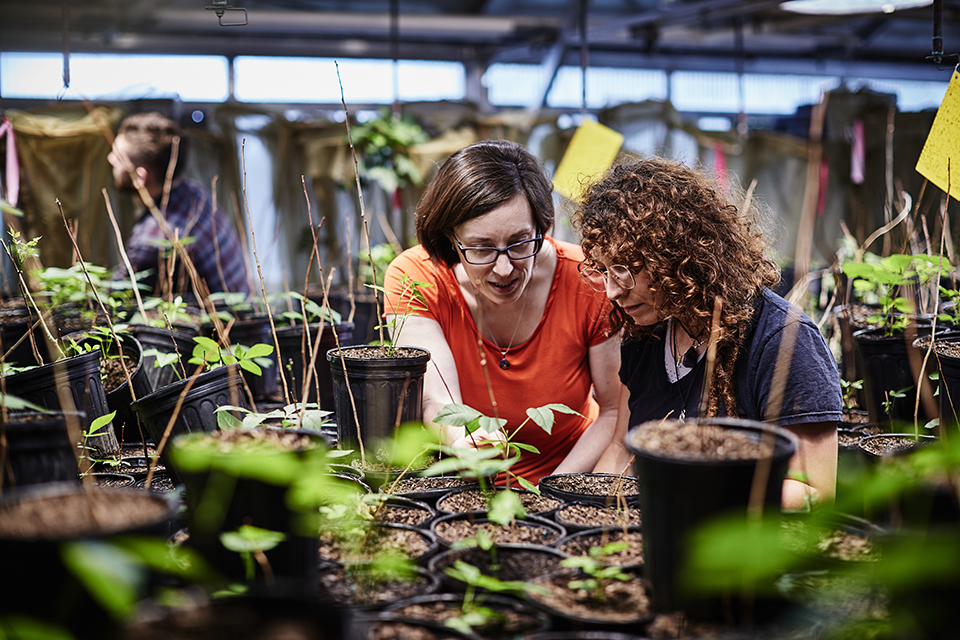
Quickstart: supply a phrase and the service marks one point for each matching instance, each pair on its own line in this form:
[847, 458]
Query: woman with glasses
[670, 251]
[509, 322]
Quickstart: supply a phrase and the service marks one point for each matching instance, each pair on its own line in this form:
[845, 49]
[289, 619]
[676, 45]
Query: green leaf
[248, 538]
[248, 365]
[100, 423]
[108, 573]
[505, 507]
[13, 402]
[526, 484]
[16, 627]
[258, 350]
[456, 415]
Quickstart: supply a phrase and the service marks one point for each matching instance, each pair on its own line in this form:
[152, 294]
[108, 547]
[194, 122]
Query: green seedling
[208, 353]
[472, 612]
[298, 415]
[411, 301]
[849, 390]
[600, 575]
[251, 543]
[891, 398]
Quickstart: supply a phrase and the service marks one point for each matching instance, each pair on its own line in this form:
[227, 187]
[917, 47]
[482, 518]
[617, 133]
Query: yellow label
[942, 148]
[588, 157]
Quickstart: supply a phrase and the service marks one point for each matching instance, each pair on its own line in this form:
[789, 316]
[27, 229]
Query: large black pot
[295, 356]
[15, 343]
[39, 448]
[383, 389]
[679, 495]
[211, 389]
[70, 384]
[248, 332]
[226, 488]
[892, 363]
[949, 370]
[54, 522]
[178, 340]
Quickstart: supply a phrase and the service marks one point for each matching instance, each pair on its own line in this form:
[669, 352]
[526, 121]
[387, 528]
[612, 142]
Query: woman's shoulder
[415, 259]
[567, 251]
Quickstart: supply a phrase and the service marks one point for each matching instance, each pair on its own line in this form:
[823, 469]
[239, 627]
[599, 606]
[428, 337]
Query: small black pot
[337, 584]
[431, 495]
[917, 441]
[568, 621]
[548, 514]
[425, 513]
[552, 534]
[108, 480]
[71, 384]
[506, 562]
[426, 536]
[573, 527]
[584, 540]
[39, 449]
[380, 388]
[548, 487]
[295, 354]
[537, 621]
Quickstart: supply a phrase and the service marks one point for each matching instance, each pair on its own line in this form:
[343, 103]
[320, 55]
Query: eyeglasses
[487, 255]
[597, 277]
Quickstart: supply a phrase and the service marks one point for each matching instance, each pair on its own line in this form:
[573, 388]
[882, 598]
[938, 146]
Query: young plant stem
[169, 428]
[253, 241]
[123, 254]
[350, 293]
[33, 303]
[363, 216]
[106, 313]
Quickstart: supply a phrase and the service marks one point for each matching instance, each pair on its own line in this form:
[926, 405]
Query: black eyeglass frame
[538, 240]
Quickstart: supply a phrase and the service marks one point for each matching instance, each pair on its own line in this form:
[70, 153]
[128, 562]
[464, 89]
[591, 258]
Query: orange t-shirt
[552, 366]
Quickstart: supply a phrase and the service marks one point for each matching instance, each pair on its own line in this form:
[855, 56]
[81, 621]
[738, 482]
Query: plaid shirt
[189, 211]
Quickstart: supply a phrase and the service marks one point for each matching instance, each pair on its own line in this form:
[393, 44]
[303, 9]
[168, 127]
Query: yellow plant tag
[942, 148]
[589, 155]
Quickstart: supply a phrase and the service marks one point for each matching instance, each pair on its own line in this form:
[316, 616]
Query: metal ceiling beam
[554, 56]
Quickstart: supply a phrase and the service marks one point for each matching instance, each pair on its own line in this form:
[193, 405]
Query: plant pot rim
[922, 439]
[334, 354]
[740, 424]
[482, 517]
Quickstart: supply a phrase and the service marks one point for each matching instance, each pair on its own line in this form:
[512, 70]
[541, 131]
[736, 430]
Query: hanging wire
[584, 55]
[65, 20]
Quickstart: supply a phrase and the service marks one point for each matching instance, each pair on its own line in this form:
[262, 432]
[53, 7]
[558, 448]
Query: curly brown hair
[696, 246]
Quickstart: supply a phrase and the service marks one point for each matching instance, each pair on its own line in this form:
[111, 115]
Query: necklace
[690, 356]
[503, 352]
[689, 361]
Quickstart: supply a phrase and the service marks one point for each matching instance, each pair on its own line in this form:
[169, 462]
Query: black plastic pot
[506, 562]
[383, 389]
[679, 495]
[598, 537]
[949, 396]
[179, 340]
[248, 332]
[36, 581]
[536, 621]
[892, 363]
[249, 489]
[15, 324]
[108, 480]
[295, 356]
[377, 531]
[71, 384]
[573, 527]
[548, 513]
[425, 513]
[622, 618]
[211, 389]
[39, 449]
[125, 424]
[548, 487]
[430, 496]
[338, 584]
[552, 534]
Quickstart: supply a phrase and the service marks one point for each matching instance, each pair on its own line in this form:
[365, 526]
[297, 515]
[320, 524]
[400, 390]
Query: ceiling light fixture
[846, 7]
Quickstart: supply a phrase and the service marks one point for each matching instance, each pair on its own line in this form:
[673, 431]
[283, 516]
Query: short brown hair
[151, 137]
[474, 181]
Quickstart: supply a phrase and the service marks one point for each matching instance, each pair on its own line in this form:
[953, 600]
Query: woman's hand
[479, 438]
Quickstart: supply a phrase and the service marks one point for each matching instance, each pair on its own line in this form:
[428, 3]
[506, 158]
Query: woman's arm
[815, 462]
[604, 371]
[441, 384]
[616, 457]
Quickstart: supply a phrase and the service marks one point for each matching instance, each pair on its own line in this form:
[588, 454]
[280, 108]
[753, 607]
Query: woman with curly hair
[671, 251]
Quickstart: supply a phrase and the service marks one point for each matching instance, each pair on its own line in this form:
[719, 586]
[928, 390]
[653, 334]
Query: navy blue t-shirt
[811, 391]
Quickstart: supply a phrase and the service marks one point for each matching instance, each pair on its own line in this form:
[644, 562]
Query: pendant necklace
[689, 361]
[503, 352]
